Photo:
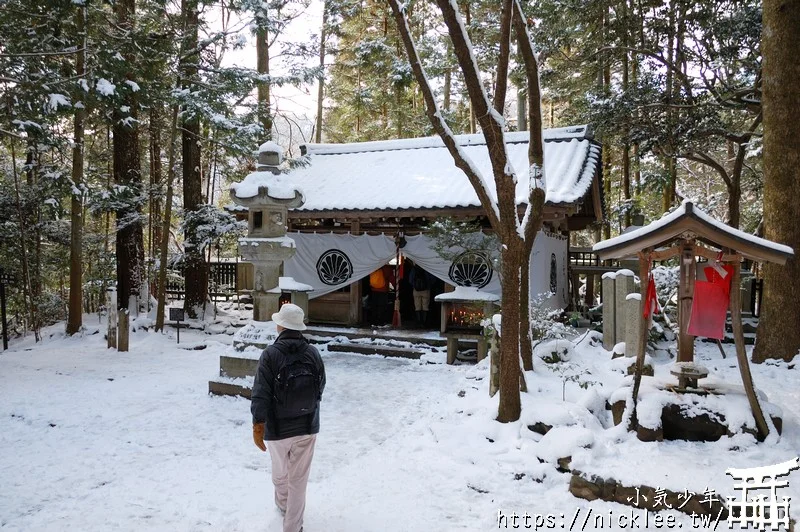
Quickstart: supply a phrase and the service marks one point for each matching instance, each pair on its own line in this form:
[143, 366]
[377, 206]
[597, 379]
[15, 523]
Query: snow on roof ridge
[687, 207]
[477, 139]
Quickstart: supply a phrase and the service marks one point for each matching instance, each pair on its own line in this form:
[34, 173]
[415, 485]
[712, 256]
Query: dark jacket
[288, 344]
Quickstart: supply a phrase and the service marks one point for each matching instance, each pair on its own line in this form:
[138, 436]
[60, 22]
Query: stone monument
[268, 194]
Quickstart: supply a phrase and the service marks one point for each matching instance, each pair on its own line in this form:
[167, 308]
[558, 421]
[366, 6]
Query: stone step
[227, 388]
[322, 334]
[370, 349]
[236, 367]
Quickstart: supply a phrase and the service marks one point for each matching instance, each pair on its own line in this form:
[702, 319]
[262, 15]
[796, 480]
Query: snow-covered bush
[544, 319]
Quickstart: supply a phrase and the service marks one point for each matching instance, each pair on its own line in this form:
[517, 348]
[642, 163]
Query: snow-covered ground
[95, 440]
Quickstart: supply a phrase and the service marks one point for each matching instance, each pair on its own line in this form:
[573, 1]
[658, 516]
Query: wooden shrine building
[360, 198]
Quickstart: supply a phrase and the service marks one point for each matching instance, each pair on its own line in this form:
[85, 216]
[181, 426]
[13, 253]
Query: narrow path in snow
[93, 439]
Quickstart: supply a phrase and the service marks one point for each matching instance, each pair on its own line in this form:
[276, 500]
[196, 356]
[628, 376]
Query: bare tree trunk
[35, 258]
[262, 65]
[127, 172]
[536, 162]
[156, 179]
[75, 314]
[510, 406]
[502, 213]
[164, 250]
[323, 34]
[27, 290]
[778, 330]
[626, 149]
[195, 268]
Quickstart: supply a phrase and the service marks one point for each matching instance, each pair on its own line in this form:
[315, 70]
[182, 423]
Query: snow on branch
[532, 219]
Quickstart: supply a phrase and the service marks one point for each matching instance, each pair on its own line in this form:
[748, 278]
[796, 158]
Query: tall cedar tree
[196, 271]
[516, 235]
[127, 173]
[75, 314]
[779, 326]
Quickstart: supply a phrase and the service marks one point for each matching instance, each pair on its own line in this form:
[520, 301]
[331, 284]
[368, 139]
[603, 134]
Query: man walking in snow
[285, 405]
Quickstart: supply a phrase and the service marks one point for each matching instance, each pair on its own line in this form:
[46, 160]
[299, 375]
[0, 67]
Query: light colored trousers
[291, 464]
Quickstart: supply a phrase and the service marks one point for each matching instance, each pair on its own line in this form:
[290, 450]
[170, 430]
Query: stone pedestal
[624, 285]
[633, 323]
[609, 311]
[267, 256]
[268, 196]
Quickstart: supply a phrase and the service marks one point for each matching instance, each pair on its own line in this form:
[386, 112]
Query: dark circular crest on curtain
[334, 267]
[471, 268]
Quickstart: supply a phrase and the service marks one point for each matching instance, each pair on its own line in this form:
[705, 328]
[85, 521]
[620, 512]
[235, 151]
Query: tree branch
[707, 160]
[11, 133]
[501, 87]
[491, 122]
[532, 219]
[41, 54]
[438, 122]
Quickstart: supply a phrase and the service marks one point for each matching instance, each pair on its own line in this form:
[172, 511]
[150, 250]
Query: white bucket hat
[290, 316]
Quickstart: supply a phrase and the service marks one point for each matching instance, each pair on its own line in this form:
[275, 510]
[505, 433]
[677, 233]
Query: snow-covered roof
[420, 173]
[275, 186]
[689, 219]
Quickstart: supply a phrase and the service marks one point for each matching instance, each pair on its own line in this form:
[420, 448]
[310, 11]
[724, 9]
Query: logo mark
[755, 508]
[471, 268]
[334, 267]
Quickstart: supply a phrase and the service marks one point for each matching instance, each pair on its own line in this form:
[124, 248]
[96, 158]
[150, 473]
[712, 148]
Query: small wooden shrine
[690, 233]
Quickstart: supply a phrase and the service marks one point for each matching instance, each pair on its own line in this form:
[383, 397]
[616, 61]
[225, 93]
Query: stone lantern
[268, 195]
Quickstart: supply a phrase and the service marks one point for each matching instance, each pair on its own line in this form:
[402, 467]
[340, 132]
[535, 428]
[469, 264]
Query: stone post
[624, 285]
[111, 307]
[633, 323]
[609, 309]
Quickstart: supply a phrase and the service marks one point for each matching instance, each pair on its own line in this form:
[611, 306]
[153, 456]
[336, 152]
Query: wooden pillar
[589, 299]
[575, 295]
[452, 348]
[741, 355]
[111, 307]
[356, 308]
[494, 363]
[123, 333]
[644, 274]
[688, 269]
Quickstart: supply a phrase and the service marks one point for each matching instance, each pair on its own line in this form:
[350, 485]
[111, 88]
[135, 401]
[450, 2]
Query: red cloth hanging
[710, 304]
[651, 298]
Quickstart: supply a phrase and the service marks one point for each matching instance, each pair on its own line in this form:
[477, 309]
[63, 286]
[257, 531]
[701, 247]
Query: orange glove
[258, 436]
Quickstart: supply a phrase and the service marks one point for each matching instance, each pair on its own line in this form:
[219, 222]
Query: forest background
[122, 123]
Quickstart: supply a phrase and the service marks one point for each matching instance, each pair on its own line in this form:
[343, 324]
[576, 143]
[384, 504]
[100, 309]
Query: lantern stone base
[237, 370]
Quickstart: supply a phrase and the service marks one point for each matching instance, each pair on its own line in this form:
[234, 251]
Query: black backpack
[420, 280]
[296, 387]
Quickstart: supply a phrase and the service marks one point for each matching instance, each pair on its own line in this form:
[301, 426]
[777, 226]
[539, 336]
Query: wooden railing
[221, 280]
[586, 258]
